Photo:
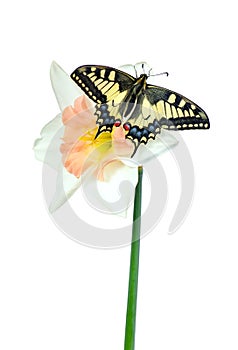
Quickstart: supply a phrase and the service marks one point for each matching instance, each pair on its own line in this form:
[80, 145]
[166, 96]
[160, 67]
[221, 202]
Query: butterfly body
[143, 109]
[133, 101]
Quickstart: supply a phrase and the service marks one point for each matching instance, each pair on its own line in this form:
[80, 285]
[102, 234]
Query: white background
[57, 294]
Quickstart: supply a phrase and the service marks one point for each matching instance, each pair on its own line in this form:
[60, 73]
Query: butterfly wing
[103, 84]
[163, 108]
[176, 112]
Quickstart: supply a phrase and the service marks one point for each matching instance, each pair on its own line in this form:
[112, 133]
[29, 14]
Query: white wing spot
[172, 98]
[182, 103]
[102, 73]
[191, 112]
[186, 114]
[98, 82]
[112, 75]
[174, 112]
[168, 110]
[180, 112]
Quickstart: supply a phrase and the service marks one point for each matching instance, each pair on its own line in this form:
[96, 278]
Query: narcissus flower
[80, 148]
[68, 144]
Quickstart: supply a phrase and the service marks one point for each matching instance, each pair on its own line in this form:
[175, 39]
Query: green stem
[134, 267]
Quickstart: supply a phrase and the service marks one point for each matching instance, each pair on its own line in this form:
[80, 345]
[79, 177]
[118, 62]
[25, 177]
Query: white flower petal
[66, 185]
[154, 148]
[47, 147]
[136, 69]
[129, 68]
[116, 193]
[65, 89]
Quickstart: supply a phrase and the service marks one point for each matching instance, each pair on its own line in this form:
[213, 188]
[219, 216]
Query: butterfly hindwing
[105, 119]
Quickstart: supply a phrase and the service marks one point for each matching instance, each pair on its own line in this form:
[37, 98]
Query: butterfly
[141, 108]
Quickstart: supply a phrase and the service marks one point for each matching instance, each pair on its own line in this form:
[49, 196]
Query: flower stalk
[129, 343]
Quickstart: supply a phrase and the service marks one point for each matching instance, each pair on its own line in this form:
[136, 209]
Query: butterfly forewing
[102, 83]
[176, 111]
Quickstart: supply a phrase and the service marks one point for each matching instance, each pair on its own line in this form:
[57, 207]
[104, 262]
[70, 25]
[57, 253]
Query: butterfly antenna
[155, 75]
[143, 67]
[134, 66]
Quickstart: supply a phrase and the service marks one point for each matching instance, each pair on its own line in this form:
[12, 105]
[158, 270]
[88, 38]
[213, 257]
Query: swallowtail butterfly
[141, 108]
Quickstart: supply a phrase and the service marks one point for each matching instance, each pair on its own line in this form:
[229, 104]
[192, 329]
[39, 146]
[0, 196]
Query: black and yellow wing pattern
[141, 108]
[103, 85]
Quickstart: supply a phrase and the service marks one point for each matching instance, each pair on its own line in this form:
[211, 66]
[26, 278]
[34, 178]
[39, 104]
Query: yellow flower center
[102, 143]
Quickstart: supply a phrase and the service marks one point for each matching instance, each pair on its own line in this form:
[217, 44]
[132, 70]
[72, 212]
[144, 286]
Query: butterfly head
[142, 68]
[142, 80]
